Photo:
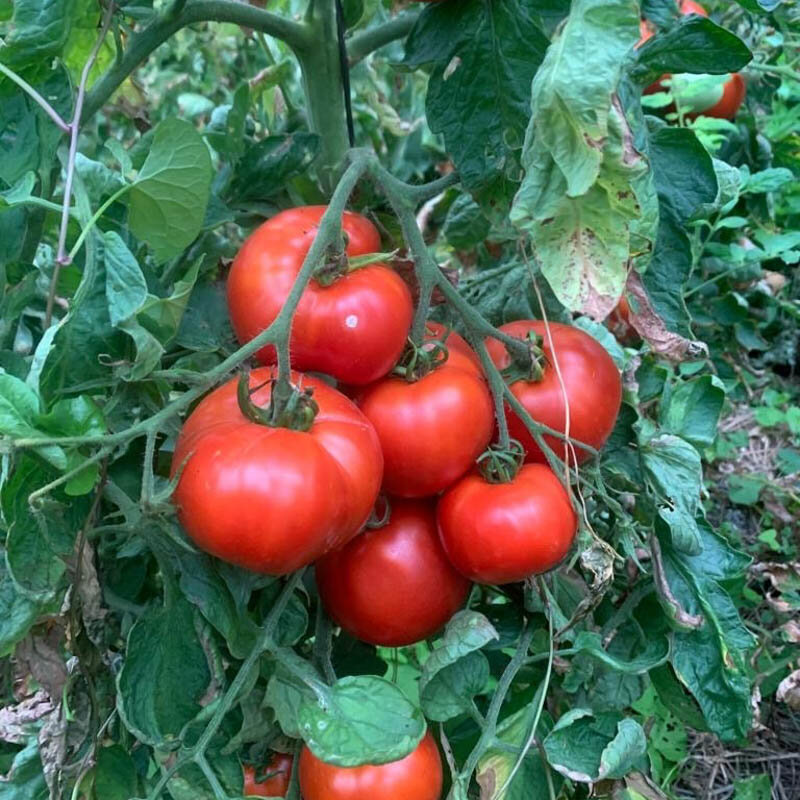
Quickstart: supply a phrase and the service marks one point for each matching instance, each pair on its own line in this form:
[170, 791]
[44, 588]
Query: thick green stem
[322, 82]
[362, 44]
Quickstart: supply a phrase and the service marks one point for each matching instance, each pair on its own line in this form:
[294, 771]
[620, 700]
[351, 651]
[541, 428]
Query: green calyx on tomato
[294, 409]
[416, 362]
[527, 362]
[337, 264]
[499, 464]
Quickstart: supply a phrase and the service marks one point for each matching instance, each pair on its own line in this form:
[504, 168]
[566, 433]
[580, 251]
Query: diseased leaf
[587, 200]
[169, 197]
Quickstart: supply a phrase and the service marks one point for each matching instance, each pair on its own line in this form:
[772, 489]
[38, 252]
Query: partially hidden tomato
[418, 776]
[272, 780]
[498, 533]
[354, 329]
[393, 586]
[619, 323]
[432, 429]
[592, 388]
[273, 499]
[459, 352]
[718, 96]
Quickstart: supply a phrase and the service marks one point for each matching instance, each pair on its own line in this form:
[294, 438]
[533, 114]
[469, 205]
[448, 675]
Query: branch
[362, 44]
[142, 44]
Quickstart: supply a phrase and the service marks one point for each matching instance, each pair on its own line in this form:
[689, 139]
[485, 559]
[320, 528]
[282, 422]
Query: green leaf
[203, 586]
[126, 288]
[39, 30]
[712, 660]
[169, 198]
[587, 199]
[266, 166]
[164, 675]
[685, 179]
[19, 139]
[289, 690]
[115, 774]
[26, 778]
[675, 475]
[364, 720]
[454, 672]
[692, 410]
[756, 787]
[767, 180]
[465, 225]
[655, 653]
[530, 781]
[696, 45]
[745, 490]
[587, 747]
[18, 612]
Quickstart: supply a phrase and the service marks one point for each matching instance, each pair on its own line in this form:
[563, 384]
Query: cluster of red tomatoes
[701, 94]
[274, 498]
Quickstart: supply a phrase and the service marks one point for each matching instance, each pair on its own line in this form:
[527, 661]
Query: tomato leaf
[455, 671]
[115, 774]
[587, 747]
[18, 612]
[483, 121]
[655, 653]
[692, 409]
[587, 200]
[685, 179]
[362, 720]
[696, 45]
[289, 690]
[712, 660]
[530, 781]
[169, 198]
[26, 778]
[164, 675]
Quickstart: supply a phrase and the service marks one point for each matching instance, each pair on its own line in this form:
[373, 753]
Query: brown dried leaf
[15, 720]
[41, 657]
[652, 328]
[53, 749]
[789, 691]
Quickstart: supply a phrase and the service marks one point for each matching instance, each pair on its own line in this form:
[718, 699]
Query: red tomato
[278, 771]
[503, 532]
[393, 586]
[591, 379]
[431, 430]
[354, 329]
[690, 7]
[733, 94]
[459, 352]
[418, 776]
[273, 499]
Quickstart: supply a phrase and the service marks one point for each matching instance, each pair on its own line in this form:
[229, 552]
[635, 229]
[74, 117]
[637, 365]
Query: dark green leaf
[711, 661]
[655, 653]
[364, 720]
[465, 225]
[169, 198]
[696, 45]
[266, 166]
[39, 30]
[17, 612]
[115, 774]
[164, 675]
[126, 288]
[19, 140]
[483, 121]
[26, 779]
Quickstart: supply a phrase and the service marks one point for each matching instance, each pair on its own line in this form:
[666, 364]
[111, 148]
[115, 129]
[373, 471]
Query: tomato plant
[260, 262]
[577, 373]
[418, 776]
[268, 497]
[393, 586]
